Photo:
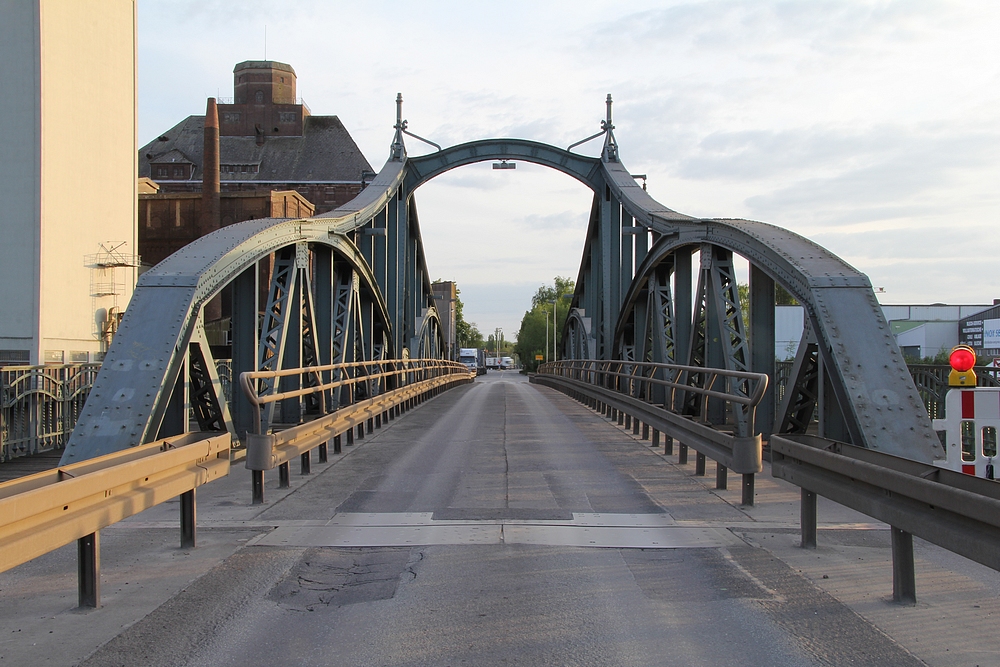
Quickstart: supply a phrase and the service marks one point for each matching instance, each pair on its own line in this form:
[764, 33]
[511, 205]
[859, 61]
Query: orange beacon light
[962, 359]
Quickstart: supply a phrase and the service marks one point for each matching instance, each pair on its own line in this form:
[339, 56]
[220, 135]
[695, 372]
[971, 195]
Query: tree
[466, 333]
[531, 337]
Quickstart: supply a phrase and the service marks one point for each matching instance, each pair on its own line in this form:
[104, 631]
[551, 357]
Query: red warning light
[962, 358]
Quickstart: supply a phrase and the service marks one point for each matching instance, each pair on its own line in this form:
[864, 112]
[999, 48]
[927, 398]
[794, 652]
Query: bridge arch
[632, 300]
[585, 169]
[162, 353]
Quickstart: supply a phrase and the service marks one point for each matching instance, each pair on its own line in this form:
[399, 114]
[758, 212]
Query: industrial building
[264, 140]
[67, 176]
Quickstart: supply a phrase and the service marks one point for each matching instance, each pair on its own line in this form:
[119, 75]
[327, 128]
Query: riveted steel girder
[585, 169]
[865, 370]
[132, 392]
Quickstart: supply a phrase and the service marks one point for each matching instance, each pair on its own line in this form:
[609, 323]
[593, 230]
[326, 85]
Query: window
[178, 172]
[968, 441]
[239, 168]
[989, 441]
[161, 172]
[230, 117]
[259, 97]
[14, 357]
[287, 116]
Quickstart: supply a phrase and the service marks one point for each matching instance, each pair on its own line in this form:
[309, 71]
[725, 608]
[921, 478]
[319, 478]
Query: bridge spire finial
[610, 152]
[398, 149]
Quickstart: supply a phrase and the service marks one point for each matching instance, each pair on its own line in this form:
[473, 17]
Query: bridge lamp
[503, 164]
[962, 359]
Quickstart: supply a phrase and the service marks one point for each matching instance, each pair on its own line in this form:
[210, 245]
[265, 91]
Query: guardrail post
[748, 492]
[656, 438]
[628, 422]
[621, 418]
[635, 427]
[361, 431]
[807, 519]
[721, 476]
[699, 464]
[189, 517]
[336, 444]
[904, 587]
[682, 453]
[323, 456]
[371, 425]
[350, 436]
[257, 484]
[645, 431]
[306, 461]
[88, 559]
[284, 480]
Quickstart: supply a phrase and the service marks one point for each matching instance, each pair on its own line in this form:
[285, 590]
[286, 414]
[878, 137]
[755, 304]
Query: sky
[869, 127]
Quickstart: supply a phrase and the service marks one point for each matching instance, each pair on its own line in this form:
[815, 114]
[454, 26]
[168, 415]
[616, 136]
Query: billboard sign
[991, 334]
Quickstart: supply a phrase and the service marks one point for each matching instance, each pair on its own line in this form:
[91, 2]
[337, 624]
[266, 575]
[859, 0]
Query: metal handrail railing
[743, 388]
[412, 380]
[404, 371]
[656, 394]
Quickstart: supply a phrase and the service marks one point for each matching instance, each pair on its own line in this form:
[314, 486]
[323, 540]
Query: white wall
[19, 168]
[68, 162]
[930, 337]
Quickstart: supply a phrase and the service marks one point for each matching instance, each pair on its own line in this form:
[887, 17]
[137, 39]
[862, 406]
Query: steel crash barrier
[273, 445]
[958, 512]
[710, 410]
[42, 512]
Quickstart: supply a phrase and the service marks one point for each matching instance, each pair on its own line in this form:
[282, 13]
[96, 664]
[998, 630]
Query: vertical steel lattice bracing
[205, 390]
[798, 405]
[725, 300]
[309, 357]
[274, 329]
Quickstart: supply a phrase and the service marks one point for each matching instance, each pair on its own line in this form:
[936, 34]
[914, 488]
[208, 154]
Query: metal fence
[931, 381]
[39, 406]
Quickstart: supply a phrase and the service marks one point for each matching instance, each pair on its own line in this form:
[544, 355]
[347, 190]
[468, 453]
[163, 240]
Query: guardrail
[635, 393]
[958, 512]
[42, 512]
[413, 381]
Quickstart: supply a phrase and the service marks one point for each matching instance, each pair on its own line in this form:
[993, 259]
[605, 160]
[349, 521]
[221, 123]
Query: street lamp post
[555, 309]
[546, 334]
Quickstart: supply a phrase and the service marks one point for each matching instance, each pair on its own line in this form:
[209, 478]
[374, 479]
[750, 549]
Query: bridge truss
[654, 285]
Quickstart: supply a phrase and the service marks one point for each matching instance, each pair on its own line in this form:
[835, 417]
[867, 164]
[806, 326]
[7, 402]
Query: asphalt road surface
[500, 524]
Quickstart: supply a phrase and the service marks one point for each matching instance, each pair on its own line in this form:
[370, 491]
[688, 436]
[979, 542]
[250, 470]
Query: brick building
[264, 140]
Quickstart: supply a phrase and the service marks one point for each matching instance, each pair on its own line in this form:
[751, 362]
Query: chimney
[210, 186]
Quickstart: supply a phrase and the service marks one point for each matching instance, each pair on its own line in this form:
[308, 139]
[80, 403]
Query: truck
[474, 359]
[492, 363]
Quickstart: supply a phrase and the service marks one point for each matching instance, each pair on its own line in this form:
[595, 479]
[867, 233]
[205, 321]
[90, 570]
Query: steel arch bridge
[352, 285]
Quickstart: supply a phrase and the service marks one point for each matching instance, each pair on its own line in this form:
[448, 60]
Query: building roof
[324, 152]
[263, 64]
[172, 155]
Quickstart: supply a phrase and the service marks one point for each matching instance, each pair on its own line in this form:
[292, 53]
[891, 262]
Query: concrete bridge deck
[499, 523]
